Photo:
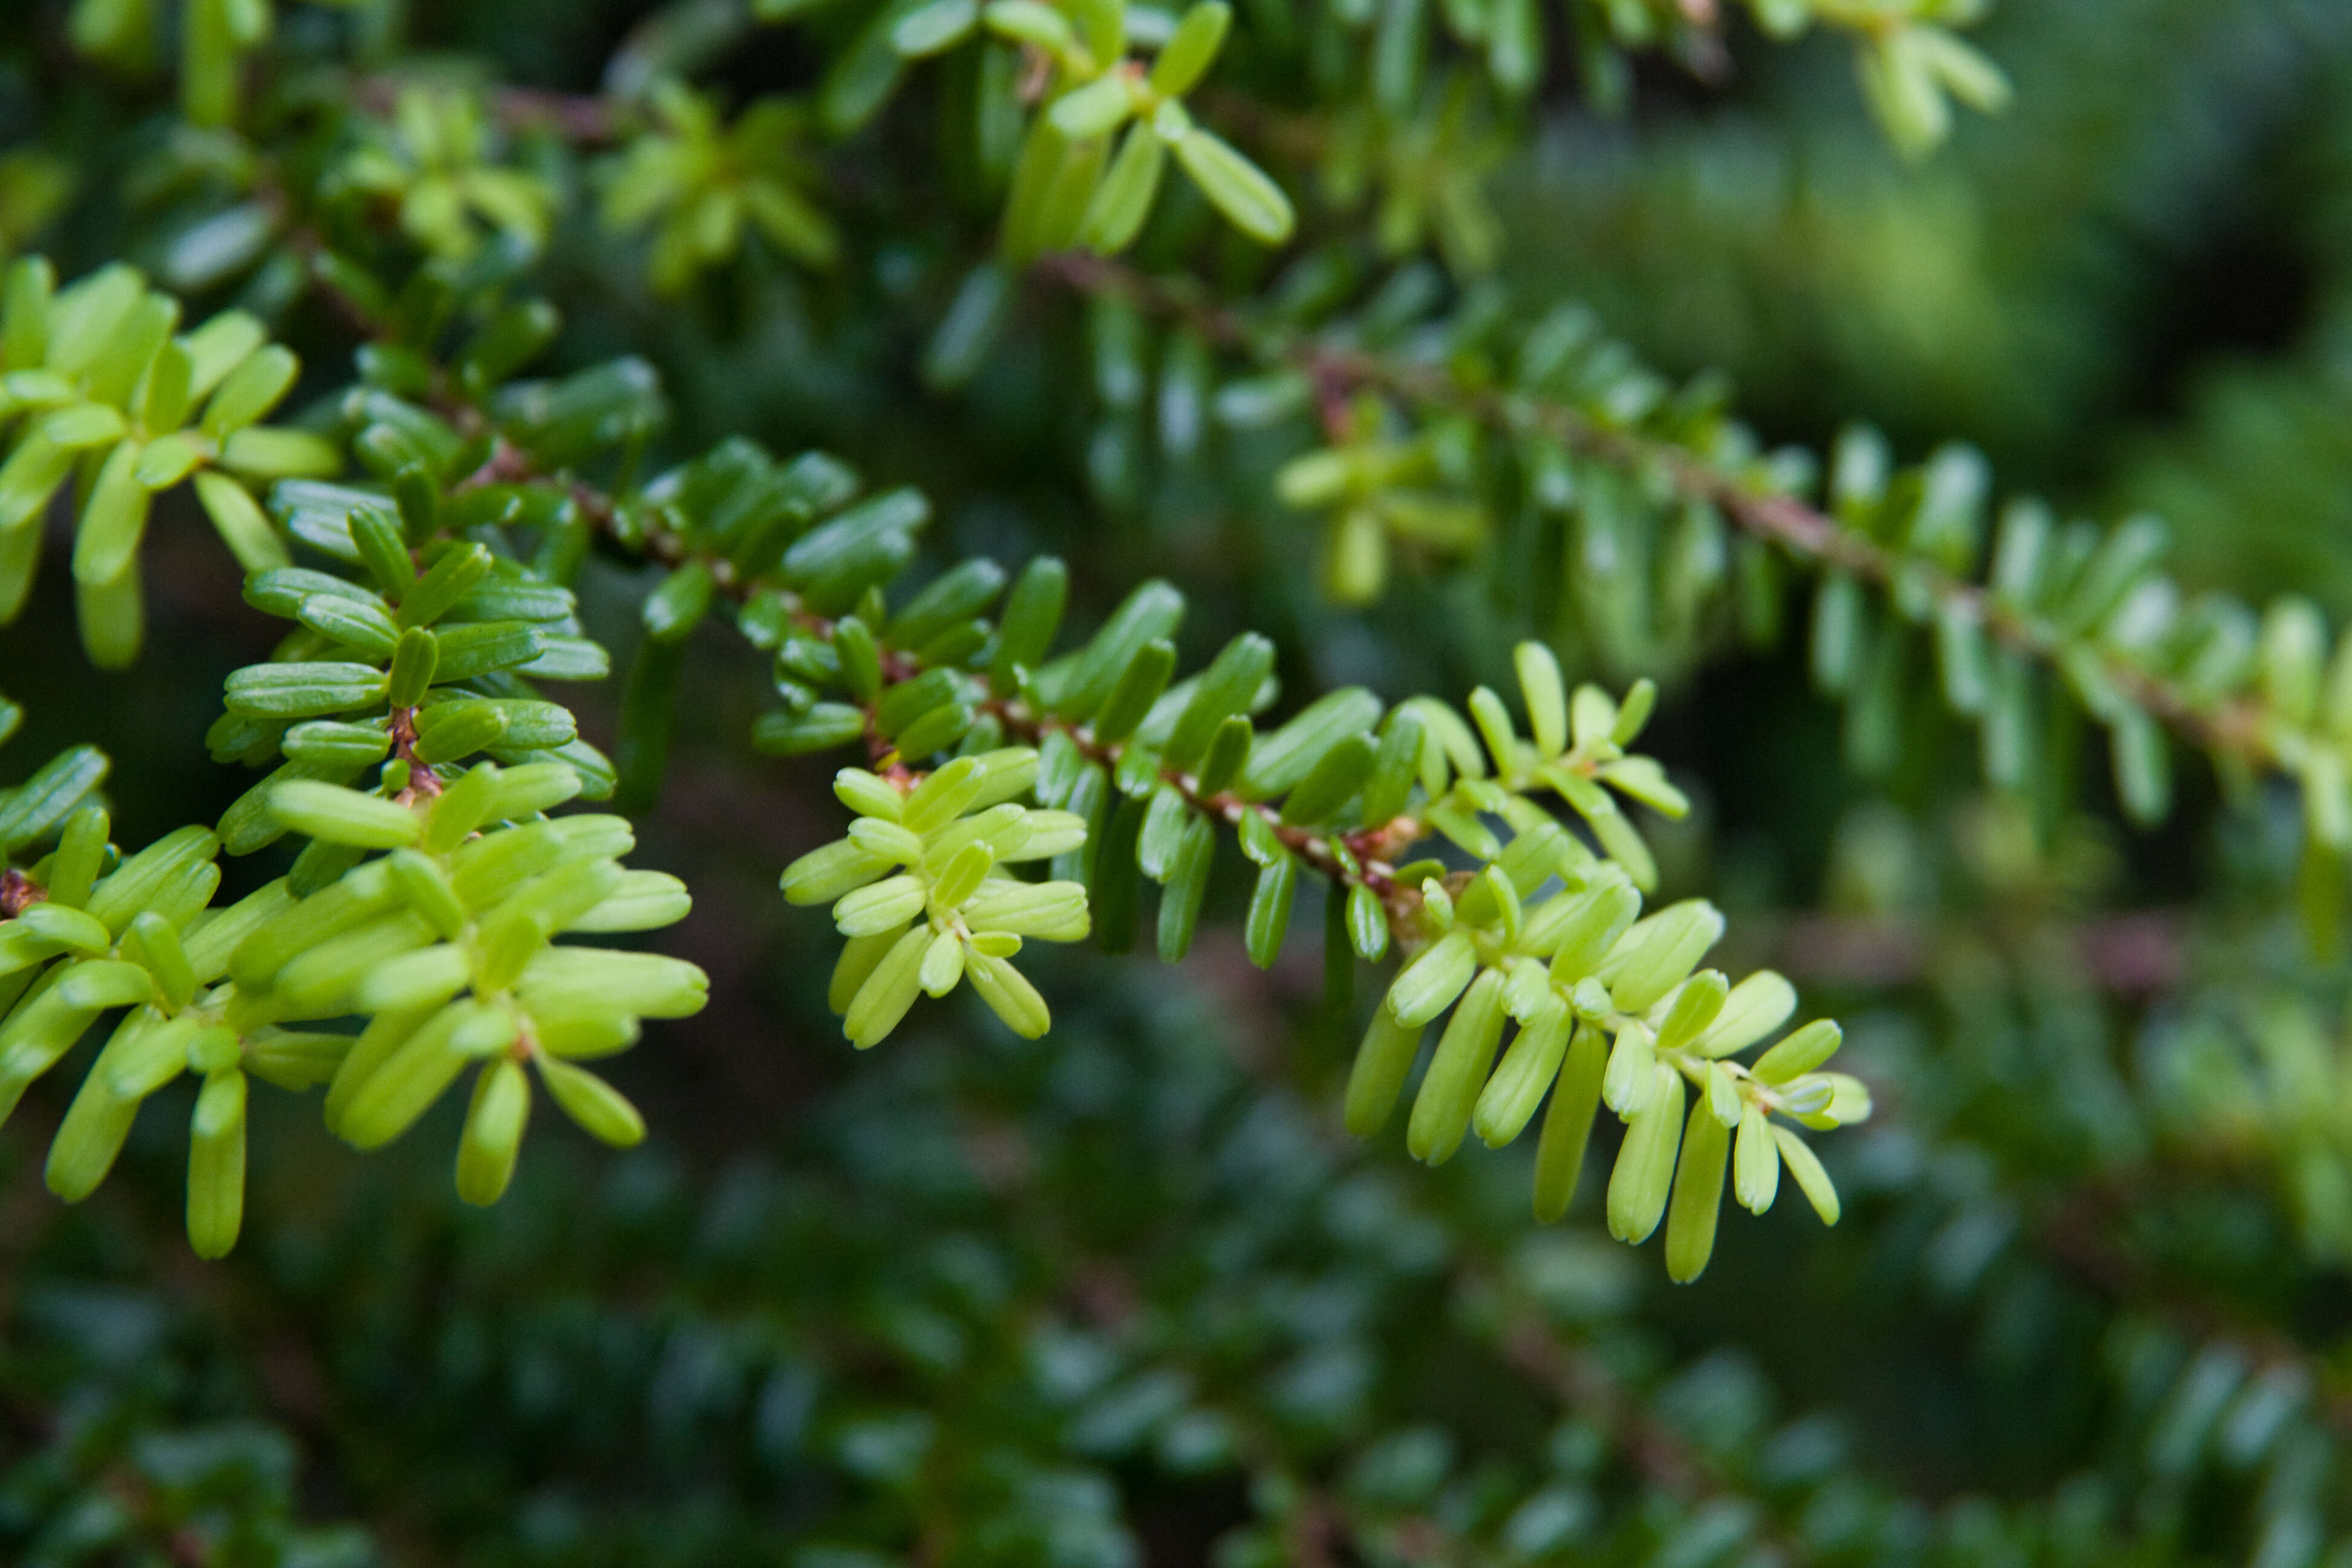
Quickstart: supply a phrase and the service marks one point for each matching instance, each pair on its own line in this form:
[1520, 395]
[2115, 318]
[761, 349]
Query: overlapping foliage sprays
[1126, 763]
[430, 662]
[1452, 437]
[1089, 295]
[444, 599]
[422, 909]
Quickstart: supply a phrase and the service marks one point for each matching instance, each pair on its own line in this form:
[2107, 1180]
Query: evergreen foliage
[1027, 476]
